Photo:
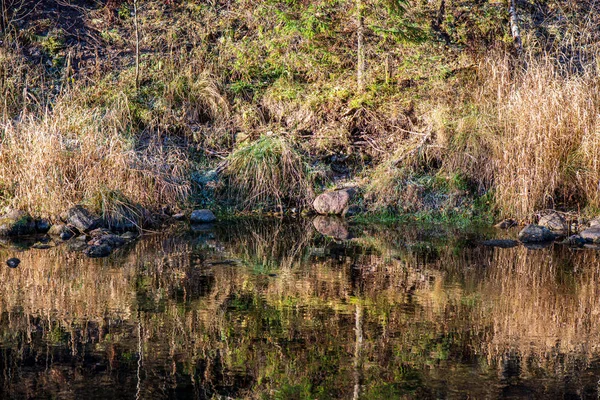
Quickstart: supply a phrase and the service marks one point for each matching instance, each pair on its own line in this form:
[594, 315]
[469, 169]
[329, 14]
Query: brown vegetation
[446, 98]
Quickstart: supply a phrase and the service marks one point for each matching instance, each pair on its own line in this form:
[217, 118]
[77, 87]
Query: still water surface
[279, 311]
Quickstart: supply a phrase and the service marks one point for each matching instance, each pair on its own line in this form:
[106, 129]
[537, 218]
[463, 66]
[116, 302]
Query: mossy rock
[17, 223]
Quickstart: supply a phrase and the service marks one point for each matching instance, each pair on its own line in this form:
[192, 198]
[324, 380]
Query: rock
[555, 222]
[591, 235]
[103, 250]
[42, 225]
[334, 202]
[202, 217]
[179, 216]
[501, 243]
[16, 223]
[122, 225]
[127, 219]
[536, 234]
[507, 223]
[130, 235]
[110, 240]
[574, 240]
[351, 211]
[594, 222]
[63, 231]
[13, 262]
[82, 219]
[332, 227]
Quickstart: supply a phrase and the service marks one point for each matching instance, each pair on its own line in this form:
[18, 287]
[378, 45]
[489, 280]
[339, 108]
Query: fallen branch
[417, 149]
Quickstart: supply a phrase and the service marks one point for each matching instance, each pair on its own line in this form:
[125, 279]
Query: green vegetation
[268, 171]
[428, 107]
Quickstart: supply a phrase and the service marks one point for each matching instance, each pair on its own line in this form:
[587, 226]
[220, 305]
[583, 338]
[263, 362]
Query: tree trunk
[3, 16]
[360, 31]
[137, 45]
[514, 25]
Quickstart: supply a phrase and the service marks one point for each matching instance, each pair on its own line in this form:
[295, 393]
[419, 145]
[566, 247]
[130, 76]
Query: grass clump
[545, 147]
[268, 171]
[69, 155]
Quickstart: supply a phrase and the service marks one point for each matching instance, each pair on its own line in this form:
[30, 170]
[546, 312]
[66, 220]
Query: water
[278, 311]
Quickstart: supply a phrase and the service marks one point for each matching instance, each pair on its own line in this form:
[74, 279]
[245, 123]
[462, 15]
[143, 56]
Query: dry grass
[268, 171]
[545, 142]
[209, 73]
[73, 154]
[16, 77]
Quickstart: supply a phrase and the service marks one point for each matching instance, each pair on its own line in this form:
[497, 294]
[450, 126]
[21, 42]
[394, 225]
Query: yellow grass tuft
[268, 170]
[545, 147]
[71, 154]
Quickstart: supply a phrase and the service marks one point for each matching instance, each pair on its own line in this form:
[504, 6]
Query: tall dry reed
[72, 154]
[544, 139]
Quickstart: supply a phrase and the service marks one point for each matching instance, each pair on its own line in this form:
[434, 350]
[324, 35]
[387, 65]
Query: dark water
[279, 311]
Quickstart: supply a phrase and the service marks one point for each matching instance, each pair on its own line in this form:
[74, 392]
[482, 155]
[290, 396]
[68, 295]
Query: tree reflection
[273, 310]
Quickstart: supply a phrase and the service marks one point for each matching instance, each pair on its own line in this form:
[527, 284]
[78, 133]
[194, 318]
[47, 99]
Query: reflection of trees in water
[273, 309]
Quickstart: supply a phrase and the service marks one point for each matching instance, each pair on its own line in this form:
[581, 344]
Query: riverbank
[255, 107]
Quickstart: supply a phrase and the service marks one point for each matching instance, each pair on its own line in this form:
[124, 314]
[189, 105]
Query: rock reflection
[272, 310]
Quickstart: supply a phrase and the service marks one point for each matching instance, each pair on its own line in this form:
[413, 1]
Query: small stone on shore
[202, 217]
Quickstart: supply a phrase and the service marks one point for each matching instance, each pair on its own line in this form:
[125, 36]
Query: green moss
[53, 42]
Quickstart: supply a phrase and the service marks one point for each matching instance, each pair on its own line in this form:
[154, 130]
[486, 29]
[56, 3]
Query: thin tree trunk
[137, 45]
[360, 31]
[3, 16]
[514, 25]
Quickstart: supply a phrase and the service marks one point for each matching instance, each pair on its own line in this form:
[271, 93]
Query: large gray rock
[334, 202]
[202, 217]
[332, 227]
[536, 234]
[16, 223]
[555, 222]
[82, 219]
[591, 234]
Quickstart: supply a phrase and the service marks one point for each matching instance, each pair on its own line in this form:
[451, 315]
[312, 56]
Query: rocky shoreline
[97, 237]
[552, 227]
[85, 231]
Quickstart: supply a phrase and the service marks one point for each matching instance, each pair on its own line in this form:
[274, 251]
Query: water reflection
[277, 310]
